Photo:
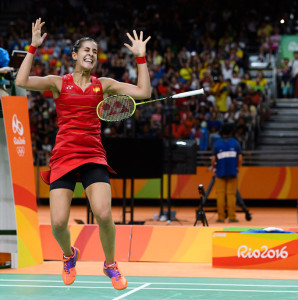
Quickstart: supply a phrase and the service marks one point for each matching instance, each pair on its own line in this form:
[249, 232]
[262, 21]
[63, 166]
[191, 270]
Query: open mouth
[89, 60]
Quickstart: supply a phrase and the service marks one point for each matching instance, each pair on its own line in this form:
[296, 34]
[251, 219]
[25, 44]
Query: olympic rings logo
[17, 126]
[21, 151]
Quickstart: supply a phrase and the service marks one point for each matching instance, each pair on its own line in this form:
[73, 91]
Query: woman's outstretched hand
[37, 39]
[138, 47]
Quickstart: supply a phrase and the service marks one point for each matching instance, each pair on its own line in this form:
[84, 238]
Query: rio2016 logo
[245, 252]
[18, 128]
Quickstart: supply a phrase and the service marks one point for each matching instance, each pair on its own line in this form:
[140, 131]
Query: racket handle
[188, 94]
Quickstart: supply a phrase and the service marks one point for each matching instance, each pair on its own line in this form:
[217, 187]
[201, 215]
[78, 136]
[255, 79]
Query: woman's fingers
[147, 39]
[128, 46]
[135, 35]
[44, 36]
[130, 37]
[38, 23]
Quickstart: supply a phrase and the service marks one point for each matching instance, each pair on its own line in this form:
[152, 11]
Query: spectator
[241, 131]
[239, 95]
[184, 112]
[36, 146]
[294, 73]
[213, 136]
[214, 121]
[232, 115]
[185, 72]
[147, 132]
[193, 104]
[262, 79]
[179, 130]
[200, 134]
[4, 60]
[161, 89]
[189, 122]
[220, 91]
[248, 81]
[47, 148]
[285, 75]
[257, 85]
[274, 40]
[227, 70]
[156, 119]
[235, 80]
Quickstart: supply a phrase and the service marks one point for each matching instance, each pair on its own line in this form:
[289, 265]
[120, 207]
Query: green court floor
[145, 288]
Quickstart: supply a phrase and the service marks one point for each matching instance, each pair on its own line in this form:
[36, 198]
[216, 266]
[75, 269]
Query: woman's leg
[99, 195]
[60, 200]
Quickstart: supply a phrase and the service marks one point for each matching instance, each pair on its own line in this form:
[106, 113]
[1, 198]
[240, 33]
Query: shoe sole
[112, 283]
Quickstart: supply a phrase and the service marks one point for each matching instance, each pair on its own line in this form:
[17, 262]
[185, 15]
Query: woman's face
[260, 74]
[86, 58]
[245, 107]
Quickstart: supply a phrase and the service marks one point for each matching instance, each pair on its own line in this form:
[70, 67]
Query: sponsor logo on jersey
[226, 154]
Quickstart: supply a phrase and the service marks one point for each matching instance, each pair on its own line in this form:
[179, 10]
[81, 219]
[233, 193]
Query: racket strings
[116, 108]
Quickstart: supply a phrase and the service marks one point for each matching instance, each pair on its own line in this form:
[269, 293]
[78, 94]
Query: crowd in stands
[288, 77]
[189, 49]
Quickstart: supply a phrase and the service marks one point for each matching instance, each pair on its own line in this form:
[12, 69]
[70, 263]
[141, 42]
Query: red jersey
[78, 140]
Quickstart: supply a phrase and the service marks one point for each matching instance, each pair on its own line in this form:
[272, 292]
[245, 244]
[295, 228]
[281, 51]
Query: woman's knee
[58, 225]
[104, 217]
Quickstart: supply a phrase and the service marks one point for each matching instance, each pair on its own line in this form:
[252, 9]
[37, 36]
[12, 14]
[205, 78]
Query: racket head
[116, 108]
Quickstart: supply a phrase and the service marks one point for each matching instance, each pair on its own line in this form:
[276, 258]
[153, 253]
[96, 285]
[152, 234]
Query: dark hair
[77, 45]
[227, 129]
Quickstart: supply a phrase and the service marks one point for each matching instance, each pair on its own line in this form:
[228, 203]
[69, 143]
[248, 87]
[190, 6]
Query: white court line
[144, 287]
[158, 283]
[133, 291]
[56, 286]
[222, 290]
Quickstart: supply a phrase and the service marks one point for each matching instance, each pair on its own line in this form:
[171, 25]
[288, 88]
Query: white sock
[111, 265]
[66, 257]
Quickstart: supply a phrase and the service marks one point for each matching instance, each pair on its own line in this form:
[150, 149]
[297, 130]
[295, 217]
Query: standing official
[226, 159]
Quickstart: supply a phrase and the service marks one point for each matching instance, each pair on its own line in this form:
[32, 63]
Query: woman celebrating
[78, 153]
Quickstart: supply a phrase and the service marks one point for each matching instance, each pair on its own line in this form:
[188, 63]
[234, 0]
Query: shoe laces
[115, 271]
[69, 263]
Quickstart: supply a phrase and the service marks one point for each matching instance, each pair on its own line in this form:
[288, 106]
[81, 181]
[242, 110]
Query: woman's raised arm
[36, 83]
[143, 88]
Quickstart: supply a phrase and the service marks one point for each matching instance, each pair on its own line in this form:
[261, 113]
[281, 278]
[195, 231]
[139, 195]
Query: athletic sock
[111, 265]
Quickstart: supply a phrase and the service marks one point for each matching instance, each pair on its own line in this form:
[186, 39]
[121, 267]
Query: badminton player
[78, 153]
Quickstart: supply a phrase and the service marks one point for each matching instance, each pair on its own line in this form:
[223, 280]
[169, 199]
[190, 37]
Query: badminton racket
[121, 107]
